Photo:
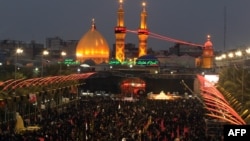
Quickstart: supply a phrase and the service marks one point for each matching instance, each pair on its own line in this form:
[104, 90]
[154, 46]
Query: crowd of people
[106, 119]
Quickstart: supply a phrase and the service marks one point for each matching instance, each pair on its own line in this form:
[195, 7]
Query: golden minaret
[208, 54]
[120, 33]
[143, 32]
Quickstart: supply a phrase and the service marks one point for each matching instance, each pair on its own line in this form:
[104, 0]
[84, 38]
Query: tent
[162, 96]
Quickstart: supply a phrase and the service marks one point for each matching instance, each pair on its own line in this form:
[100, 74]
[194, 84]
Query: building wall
[179, 50]
[56, 45]
[30, 50]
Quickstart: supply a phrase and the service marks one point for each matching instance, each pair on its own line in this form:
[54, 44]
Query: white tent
[162, 96]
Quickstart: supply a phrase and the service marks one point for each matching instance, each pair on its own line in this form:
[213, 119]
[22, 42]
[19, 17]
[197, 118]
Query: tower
[207, 54]
[143, 32]
[120, 33]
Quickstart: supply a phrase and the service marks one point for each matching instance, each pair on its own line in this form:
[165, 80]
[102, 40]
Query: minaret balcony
[120, 29]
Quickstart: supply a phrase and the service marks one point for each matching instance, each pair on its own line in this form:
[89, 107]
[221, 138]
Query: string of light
[157, 36]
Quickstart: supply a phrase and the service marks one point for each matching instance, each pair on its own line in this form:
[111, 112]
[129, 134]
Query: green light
[114, 62]
[71, 62]
[147, 62]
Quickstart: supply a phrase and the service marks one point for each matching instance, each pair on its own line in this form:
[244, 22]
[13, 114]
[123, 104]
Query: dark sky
[187, 20]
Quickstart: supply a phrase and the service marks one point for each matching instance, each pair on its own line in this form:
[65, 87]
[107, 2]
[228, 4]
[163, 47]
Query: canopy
[162, 96]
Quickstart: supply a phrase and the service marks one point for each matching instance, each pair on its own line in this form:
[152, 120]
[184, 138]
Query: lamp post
[63, 53]
[18, 51]
[240, 54]
[45, 52]
[247, 52]
[244, 56]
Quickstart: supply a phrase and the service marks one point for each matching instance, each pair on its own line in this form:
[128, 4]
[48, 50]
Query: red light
[143, 31]
[120, 29]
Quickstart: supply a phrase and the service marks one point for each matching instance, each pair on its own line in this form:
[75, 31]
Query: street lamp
[79, 70]
[63, 53]
[45, 52]
[18, 51]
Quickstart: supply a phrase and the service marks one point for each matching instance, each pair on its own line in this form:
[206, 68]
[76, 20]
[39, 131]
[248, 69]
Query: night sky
[186, 20]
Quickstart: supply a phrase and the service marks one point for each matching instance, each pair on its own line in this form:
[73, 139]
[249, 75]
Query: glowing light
[63, 53]
[238, 53]
[144, 4]
[19, 51]
[147, 62]
[45, 52]
[231, 55]
[248, 51]
[218, 58]
[114, 62]
[224, 56]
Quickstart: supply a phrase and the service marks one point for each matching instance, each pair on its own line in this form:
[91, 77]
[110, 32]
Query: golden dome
[92, 46]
